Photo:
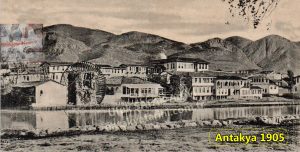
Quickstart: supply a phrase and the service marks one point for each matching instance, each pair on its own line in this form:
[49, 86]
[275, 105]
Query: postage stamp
[20, 42]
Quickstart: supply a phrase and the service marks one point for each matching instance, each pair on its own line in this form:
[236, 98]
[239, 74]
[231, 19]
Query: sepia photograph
[149, 75]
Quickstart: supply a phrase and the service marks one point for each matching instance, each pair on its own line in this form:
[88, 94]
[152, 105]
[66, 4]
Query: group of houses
[50, 83]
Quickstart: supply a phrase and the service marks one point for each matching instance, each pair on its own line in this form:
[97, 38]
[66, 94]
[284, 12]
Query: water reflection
[12, 119]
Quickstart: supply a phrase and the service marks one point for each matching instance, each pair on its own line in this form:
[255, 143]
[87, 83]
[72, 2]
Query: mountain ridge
[231, 53]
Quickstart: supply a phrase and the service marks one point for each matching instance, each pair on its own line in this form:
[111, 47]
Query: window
[124, 90]
[196, 79]
[143, 90]
[41, 92]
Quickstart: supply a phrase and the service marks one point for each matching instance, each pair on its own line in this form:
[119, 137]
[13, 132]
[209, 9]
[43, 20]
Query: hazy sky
[183, 20]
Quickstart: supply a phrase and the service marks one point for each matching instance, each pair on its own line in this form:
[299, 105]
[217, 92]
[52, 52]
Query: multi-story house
[252, 92]
[128, 70]
[132, 89]
[105, 69]
[135, 70]
[181, 64]
[202, 86]
[269, 87]
[296, 88]
[54, 70]
[229, 87]
[272, 75]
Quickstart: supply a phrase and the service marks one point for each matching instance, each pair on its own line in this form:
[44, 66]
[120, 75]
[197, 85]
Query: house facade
[181, 64]
[229, 87]
[134, 89]
[296, 88]
[269, 87]
[41, 93]
[252, 92]
[54, 70]
[202, 86]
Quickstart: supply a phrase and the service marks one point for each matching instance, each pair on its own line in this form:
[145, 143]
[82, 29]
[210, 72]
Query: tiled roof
[114, 80]
[103, 65]
[57, 63]
[255, 87]
[230, 78]
[126, 80]
[135, 80]
[32, 84]
[180, 59]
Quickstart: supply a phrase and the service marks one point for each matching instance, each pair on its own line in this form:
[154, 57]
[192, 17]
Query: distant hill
[274, 53]
[221, 54]
[89, 37]
[69, 43]
[238, 41]
[106, 48]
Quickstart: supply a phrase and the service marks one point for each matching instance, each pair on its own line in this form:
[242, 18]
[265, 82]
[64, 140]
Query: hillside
[221, 54]
[58, 47]
[274, 52]
[238, 41]
[104, 47]
[70, 43]
[89, 37]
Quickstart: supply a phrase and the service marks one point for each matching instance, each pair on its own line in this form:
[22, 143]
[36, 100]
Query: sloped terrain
[274, 53]
[221, 54]
[70, 43]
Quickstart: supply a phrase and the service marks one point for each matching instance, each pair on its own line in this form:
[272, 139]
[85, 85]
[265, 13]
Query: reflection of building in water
[66, 119]
[112, 117]
[51, 120]
[18, 120]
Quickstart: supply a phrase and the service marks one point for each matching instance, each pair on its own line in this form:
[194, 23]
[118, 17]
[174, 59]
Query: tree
[253, 11]
[290, 80]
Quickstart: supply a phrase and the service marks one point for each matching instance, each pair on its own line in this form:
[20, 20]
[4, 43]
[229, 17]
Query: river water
[53, 120]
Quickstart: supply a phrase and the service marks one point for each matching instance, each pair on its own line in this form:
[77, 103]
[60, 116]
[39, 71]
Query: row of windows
[202, 66]
[203, 80]
[31, 77]
[186, 66]
[222, 92]
[251, 92]
[58, 67]
[260, 80]
[137, 69]
[202, 89]
[135, 91]
[234, 83]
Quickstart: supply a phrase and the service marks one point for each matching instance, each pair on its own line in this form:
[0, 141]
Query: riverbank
[181, 139]
[136, 127]
[168, 130]
[181, 105]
